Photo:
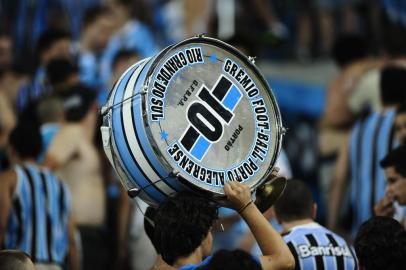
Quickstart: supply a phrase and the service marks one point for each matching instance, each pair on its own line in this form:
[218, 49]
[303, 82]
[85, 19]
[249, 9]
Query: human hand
[397, 192]
[238, 195]
[384, 207]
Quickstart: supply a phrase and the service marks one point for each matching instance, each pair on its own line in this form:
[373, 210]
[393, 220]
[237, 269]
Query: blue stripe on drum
[200, 148]
[141, 136]
[122, 144]
[232, 98]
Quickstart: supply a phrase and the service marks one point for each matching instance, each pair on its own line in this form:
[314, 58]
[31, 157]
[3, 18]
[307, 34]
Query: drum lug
[252, 59]
[134, 192]
[174, 174]
[144, 90]
[284, 130]
[104, 110]
[275, 170]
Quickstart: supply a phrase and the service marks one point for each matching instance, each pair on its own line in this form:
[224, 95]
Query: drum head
[211, 117]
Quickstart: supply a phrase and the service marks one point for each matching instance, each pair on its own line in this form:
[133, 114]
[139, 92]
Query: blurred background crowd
[337, 68]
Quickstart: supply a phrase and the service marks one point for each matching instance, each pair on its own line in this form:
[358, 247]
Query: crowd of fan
[62, 204]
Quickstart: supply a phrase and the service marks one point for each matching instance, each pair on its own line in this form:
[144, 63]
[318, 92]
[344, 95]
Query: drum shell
[135, 161]
[135, 154]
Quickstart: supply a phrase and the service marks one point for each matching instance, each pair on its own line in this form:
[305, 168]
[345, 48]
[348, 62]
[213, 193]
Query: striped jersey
[38, 220]
[315, 247]
[370, 141]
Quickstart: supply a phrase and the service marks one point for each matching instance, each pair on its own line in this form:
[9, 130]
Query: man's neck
[25, 161]
[195, 258]
[160, 264]
[287, 226]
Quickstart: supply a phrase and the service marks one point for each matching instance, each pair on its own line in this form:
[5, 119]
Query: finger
[233, 184]
[227, 188]
[245, 187]
[389, 212]
[388, 208]
[386, 202]
[238, 184]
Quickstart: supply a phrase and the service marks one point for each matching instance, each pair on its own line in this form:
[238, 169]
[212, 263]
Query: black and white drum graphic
[200, 110]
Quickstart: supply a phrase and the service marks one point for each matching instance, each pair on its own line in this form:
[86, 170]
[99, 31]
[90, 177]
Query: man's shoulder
[195, 266]
[372, 117]
[307, 229]
[70, 132]
[8, 178]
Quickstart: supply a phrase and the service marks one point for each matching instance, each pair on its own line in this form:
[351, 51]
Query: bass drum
[194, 116]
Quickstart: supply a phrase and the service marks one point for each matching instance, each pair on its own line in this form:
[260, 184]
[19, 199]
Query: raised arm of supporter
[338, 184]
[7, 187]
[63, 147]
[276, 254]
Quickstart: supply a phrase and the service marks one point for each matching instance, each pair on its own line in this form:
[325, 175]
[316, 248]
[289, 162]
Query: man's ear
[314, 211]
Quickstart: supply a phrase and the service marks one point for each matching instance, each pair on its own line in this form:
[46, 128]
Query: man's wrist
[248, 210]
[242, 208]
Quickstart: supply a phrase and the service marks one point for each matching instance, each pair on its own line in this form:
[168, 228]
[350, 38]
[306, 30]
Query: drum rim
[212, 41]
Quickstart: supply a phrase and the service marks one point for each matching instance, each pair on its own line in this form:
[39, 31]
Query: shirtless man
[74, 158]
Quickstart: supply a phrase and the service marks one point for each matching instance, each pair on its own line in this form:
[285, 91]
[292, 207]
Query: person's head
[123, 60]
[98, 28]
[393, 38]
[25, 142]
[400, 124]
[349, 48]
[53, 44]
[392, 85]
[183, 225]
[15, 260]
[50, 110]
[231, 260]
[78, 102]
[6, 52]
[296, 203]
[395, 169]
[149, 225]
[381, 244]
[62, 73]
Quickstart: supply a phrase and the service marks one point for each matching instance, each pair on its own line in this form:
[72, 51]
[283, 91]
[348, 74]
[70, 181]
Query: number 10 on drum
[209, 115]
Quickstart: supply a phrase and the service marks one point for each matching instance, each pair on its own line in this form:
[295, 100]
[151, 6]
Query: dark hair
[26, 140]
[49, 38]
[13, 259]
[381, 244]
[181, 224]
[77, 101]
[149, 224]
[393, 37]
[59, 70]
[401, 108]
[396, 158]
[295, 203]
[231, 260]
[93, 14]
[123, 54]
[348, 48]
[392, 86]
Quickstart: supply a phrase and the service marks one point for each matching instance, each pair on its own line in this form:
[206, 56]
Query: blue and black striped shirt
[315, 247]
[38, 220]
[371, 139]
